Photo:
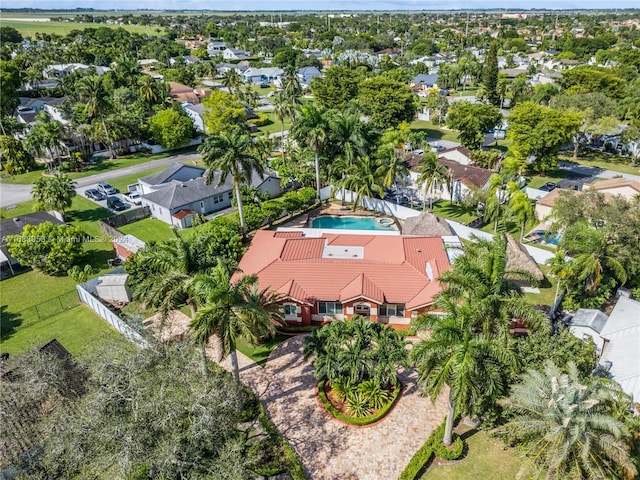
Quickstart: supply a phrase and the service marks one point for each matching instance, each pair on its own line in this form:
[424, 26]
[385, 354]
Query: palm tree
[497, 199]
[53, 193]
[472, 365]
[480, 277]
[149, 89]
[432, 173]
[363, 179]
[44, 137]
[291, 88]
[232, 309]
[231, 154]
[282, 109]
[231, 79]
[172, 265]
[567, 425]
[311, 128]
[393, 166]
[503, 85]
[347, 135]
[92, 93]
[521, 208]
[559, 268]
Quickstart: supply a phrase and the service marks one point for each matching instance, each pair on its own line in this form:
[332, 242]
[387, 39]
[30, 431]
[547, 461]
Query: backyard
[434, 132]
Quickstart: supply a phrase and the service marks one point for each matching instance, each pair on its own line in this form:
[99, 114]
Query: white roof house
[621, 353]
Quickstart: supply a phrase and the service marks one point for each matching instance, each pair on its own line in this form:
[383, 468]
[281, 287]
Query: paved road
[11, 194]
[595, 172]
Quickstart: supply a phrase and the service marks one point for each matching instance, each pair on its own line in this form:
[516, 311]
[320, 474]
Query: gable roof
[460, 149]
[175, 171]
[591, 318]
[614, 183]
[468, 174]
[425, 79]
[338, 267]
[180, 194]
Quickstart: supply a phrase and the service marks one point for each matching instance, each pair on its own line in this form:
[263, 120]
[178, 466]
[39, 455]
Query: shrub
[286, 329]
[375, 395]
[341, 388]
[358, 404]
[452, 452]
[266, 457]
[261, 121]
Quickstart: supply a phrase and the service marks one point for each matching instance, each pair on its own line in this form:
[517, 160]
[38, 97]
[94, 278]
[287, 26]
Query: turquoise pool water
[351, 223]
[553, 239]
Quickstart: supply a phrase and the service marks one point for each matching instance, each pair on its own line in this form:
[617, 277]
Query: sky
[321, 4]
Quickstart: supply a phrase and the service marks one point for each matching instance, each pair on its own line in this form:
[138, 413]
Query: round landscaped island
[361, 406]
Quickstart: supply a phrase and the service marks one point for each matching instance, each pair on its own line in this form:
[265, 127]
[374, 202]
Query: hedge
[356, 421]
[433, 446]
[287, 329]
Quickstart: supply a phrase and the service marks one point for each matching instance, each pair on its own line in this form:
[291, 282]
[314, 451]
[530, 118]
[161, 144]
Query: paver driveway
[328, 449]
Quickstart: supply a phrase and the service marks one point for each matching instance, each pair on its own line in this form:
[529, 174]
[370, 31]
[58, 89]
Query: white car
[134, 198]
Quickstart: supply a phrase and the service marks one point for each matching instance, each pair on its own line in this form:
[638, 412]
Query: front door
[362, 309]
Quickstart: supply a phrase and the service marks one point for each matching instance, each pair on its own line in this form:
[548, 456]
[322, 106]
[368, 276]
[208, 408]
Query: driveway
[329, 450]
[12, 194]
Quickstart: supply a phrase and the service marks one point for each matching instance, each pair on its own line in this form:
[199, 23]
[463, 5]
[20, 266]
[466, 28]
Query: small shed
[588, 322]
[426, 225]
[518, 258]
[113, 288]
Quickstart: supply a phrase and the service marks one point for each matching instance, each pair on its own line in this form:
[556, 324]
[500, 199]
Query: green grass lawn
[434, 131]
[100, 167]
[260, 353]
[547, 288]
[607, 161]
[29, 29]
[121, 182]
[454, 211]
[76, 329]
[148, 230]
[486, 458]
[273, 125]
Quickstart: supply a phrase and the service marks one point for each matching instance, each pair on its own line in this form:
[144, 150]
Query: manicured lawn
[454, 211]
[17, 210]
[148, 230]
[260, 353]
[434, 131]
[536, 181]
[273, 125]
[121, 182]
[75, 329]
[486, 458]
[100, 167]
[606, 161]
[547, 289]
[29, 29]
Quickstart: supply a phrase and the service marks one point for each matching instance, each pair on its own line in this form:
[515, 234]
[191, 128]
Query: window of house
[290, 310]
[230, 195]
[329, 308]
[215, 199]
[392, 310]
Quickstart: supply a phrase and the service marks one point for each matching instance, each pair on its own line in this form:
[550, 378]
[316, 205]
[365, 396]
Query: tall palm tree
[393, 165]
[149, 90]
[172, 265]
[44, 137]
[231, 79]
[282, 109]
[432, 173]
[347, 135]
[231, 154]
[522, 209]
[232, 309]
[311, 128]
[53, 193]
[291, 88]
[472, 365]
[92, 93]
[559, 268]
[567, 425]
[497, 198]
[363, 179]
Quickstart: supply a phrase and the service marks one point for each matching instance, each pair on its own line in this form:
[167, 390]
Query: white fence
[539, 255]
[110, 317]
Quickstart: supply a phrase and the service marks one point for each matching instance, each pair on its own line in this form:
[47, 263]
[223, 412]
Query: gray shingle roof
[179, 194]
[176, 171]
[14, 226]
[589, 317]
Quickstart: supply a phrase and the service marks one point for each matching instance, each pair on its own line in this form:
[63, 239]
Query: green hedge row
[433, 446]
[356, 421]
[287, 329]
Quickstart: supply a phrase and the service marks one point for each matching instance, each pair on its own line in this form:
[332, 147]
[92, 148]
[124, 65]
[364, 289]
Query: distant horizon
[258, 6]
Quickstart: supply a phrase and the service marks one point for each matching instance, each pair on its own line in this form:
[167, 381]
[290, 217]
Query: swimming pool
[352, 223]
[553, 238]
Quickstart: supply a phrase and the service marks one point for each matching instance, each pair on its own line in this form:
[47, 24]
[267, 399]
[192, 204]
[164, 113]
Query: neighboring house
[196, 113]
[617, 186]
[14, 226]
[148, 63]
[588, 323]
[53, 108]
[126, 245]
[544, 206]
[29, 108]
[306, 74]
[392, 52]
[185, 93]
[621, 354]
[193, 43]
[461, 155]
[186, 60]
[262, 75]
[234, 54]
[178, 193]
[223, 68]
[424, 82]
[64, 69]
[216, 48]
[387, 278]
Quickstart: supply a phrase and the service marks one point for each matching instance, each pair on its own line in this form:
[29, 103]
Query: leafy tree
[473, 365]
[311, 128]
[631, 137]
[45, 138]
[355, 351]
[53, 249]
[53, 193]
[287, 57]
[223, 112]
[387, 102]
[179, 74]
[589, 79]
[15, 158]
[231, 154]
[9, 86]
[171, 129]
[10, 35]
[139, 407]
[472, 120]
[336, 88]
[490, 74]
[535, 130]
[231, 310]
[272, 210]
[567, 426]
[223, 240]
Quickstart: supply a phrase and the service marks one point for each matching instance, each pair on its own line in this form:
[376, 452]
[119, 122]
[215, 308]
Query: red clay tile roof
[384, 268]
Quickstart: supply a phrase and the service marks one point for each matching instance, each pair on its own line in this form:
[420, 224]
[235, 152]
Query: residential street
[11, 194]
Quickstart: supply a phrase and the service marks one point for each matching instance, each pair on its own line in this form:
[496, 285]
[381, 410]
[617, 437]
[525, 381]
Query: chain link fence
[49, 308]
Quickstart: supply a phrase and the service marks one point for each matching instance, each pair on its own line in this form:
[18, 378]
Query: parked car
[106, 188]
[419, 152]
[114, 203]
[94, 194]
[436, 147]
[134, 197]
[547, 187]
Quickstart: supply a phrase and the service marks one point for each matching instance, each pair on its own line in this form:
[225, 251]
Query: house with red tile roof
[388, 278]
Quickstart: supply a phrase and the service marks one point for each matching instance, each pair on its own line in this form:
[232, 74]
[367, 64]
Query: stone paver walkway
[328, 449]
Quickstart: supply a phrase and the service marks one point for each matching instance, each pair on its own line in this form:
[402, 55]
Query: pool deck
[335, 209]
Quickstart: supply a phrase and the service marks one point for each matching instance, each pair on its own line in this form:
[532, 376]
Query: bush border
[355, 422]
